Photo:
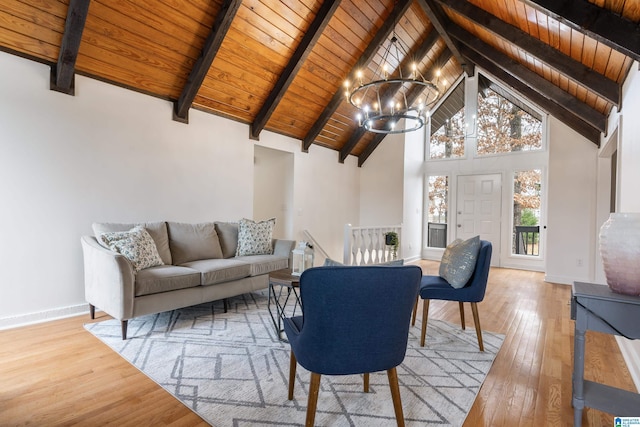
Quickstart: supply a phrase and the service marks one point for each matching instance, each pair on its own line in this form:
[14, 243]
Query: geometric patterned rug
[231, 369]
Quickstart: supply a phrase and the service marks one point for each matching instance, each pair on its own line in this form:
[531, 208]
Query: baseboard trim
[559, 279]
[43, 316]
[630, 350]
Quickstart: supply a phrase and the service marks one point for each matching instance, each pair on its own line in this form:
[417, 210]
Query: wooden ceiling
[280, 65]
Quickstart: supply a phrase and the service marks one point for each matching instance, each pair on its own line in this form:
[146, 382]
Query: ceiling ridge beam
[301, 53]
[62, 77]
[564, 64]
[203, 63]
[440, 22]
[443, 58]
[420, 53]
[530, 78]
[387, 27]
[601, 24]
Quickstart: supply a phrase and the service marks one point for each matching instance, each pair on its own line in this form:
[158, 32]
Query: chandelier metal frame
[387, 98]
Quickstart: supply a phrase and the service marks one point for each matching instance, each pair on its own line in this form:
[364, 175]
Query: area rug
[231, 369]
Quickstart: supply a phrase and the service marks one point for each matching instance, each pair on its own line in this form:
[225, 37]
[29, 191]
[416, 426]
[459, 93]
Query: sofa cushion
[263, 264]
[228, 236]
[192, 242]
[157, 230]
[255, 238]
[136, 245]
[220, 270]
[165, 278]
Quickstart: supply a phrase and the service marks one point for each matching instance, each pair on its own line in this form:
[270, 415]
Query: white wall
[110, 154]
[381, 186]
[413, 193]
[273, 189]
[629, 177]
[571, 205]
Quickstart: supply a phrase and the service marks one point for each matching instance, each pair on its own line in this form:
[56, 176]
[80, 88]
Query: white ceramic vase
[620, 251]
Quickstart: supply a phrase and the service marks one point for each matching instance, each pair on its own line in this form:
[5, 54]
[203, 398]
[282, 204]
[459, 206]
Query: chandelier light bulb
[438, 72]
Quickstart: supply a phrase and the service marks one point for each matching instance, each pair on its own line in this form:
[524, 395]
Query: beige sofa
[199, 264]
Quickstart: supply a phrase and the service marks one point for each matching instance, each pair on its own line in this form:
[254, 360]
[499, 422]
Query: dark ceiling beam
[416, 56]
[309, 40]
[411, 98]
[440, 22]
[530, 78]
[201, 67]
[564, 64]
[381, 36]
[63, 72]
[601, 24]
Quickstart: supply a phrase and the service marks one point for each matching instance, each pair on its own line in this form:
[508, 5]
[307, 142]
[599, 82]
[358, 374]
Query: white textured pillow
[136, 245]
[459, 261]
[255, 238]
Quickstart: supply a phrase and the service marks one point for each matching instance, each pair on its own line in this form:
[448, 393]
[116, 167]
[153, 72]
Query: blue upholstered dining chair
[435, 287]
[355, 320]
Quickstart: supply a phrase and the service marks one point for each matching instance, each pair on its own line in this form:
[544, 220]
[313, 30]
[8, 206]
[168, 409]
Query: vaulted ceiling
[280, 65]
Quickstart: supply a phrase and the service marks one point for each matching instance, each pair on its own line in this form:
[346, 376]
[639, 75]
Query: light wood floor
[56, 373]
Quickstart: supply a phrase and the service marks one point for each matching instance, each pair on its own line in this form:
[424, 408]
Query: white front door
[478, 210]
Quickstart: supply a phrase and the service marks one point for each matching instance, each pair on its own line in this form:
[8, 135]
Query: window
[505, 124]
[447, 127]
[437, 211]
[526, 212]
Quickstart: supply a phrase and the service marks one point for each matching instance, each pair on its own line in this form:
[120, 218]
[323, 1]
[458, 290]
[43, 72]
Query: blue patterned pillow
[136, 245]
[459, 261]
[255, 238]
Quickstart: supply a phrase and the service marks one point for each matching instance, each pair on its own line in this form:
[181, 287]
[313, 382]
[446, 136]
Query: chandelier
[390, 96]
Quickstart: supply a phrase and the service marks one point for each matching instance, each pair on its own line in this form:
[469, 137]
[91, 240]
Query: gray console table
[596, 308]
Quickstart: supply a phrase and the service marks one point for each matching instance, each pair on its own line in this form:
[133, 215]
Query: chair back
[477, 284]
[356, 318]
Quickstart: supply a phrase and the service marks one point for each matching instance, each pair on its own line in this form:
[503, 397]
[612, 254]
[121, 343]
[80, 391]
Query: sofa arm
[283, 248]
[108, 279]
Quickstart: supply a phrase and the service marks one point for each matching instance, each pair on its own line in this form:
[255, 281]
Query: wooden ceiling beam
[569, 67]
[443, 58]
[309, 40]
[599, 23]
[440, 22]
[530, 78]
[63, 72]
[203, 63]
[381, 36]
[417, 56]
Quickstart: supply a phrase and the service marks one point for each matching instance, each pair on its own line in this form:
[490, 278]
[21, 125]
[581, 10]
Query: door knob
[459, 225]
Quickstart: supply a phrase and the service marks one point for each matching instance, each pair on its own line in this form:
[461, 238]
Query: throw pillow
[136, 245]
[255, 238]
[459, 261]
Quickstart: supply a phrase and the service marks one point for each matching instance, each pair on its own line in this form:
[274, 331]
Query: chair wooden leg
[314, 388]
[292, 373]
[476, 320]
[395, 396]
[366, 382]
[425, 315]
[461, 314]
[415, 311]
[92, 311]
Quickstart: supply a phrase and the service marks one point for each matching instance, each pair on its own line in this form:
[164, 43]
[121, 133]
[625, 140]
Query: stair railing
[366, 245]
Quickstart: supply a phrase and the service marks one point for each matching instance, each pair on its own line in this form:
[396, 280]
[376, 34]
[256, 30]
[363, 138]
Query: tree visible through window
[503, 127]
[448, 141]
[437, 209]
[526, 212]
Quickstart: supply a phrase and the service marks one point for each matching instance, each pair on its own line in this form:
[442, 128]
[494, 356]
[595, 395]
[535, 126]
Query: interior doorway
[478, 210]
[273, 189]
